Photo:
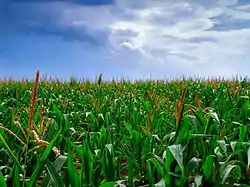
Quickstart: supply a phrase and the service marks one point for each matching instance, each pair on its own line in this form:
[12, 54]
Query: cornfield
[118, 133]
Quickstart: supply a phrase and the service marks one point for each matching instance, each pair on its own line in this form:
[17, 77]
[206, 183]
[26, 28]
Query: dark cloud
[243, 2]
[33, 18]
[71, 34]
[15, 15]
[127, 33]
[82, 2]
[202, 39]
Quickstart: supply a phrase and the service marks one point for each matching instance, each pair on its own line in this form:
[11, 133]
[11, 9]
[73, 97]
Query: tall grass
[146, 133]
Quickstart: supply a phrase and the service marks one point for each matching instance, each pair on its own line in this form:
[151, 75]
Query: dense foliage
[146, 133]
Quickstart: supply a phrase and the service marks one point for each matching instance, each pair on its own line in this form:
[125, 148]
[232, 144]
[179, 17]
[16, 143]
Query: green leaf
[113, 183]
[243, 133]
[168, 161]
[161, 183]
[157, 165]
[2, 181]
[129, 128]
[191, 165]
[191, 136]
[150, 174]
[77, 149]
[177, 152]
[225, 173]
[214, 115]
[130, 173]
[223, 145]
[56, 179]
[108, 184]
[87, 170]
[208, 167]
[233, 145]
[66, 125]
[198, 180]
[5, 145]
[182, 134]
[100, 79]
[109, 147]
[248, 105]
[248, 158]
[109, 164]
[58, 163]
[42, 162]
[58, 113]
[72, 170]
[195, 122]
[16, 180]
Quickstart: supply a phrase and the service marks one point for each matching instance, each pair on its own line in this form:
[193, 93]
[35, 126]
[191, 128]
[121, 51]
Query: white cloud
[162, 36]
[244, 7]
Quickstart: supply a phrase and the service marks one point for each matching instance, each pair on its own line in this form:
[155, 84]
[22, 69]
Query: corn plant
[189, 132]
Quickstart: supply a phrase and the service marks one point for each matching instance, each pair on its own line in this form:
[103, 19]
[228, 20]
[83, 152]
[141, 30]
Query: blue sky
[124, 38]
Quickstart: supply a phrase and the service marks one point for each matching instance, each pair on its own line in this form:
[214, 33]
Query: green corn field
[120, 133]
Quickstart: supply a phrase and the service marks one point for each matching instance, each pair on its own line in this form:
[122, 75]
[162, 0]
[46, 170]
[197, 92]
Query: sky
[133, 39]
